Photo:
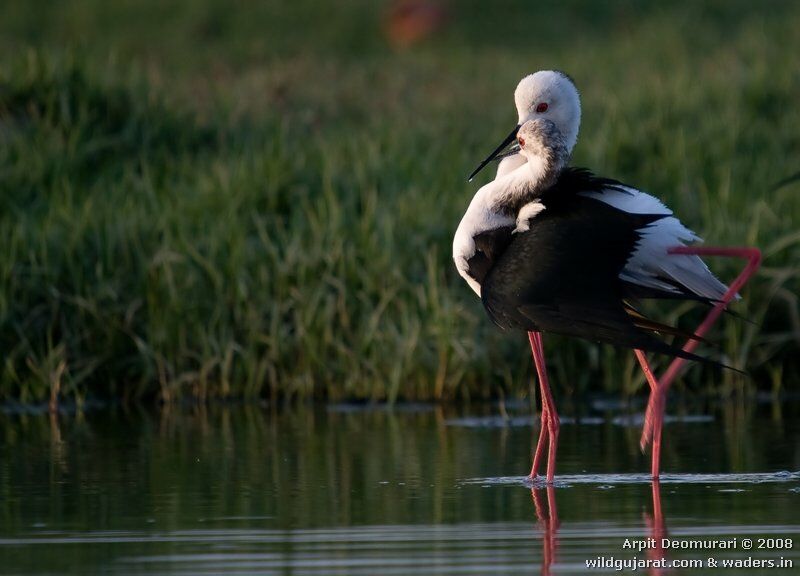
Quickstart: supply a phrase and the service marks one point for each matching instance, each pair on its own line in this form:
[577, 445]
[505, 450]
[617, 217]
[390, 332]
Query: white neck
[491, 208]
[513, 188]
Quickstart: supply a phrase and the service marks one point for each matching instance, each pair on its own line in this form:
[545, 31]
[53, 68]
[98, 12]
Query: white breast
[478, 218]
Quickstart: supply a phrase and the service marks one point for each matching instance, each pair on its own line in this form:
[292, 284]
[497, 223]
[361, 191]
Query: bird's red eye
[541, 107]
[521, 141]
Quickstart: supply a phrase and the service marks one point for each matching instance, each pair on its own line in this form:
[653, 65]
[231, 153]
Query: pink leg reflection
[656, 528]
[549, 524]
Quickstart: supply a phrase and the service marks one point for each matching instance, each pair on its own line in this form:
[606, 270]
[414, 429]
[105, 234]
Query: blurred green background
[236, 199]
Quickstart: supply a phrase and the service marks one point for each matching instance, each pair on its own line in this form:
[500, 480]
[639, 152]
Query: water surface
[413, 490]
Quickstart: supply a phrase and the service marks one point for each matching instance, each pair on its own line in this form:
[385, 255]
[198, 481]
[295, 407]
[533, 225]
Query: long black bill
[508, 140]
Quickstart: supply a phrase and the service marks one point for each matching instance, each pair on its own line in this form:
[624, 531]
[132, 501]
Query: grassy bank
[204, 200]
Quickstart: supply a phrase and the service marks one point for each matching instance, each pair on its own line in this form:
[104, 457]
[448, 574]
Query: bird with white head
[551, 248]
[549, 95]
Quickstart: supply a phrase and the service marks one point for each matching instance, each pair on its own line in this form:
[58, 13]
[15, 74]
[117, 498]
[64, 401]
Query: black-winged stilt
[551, 248]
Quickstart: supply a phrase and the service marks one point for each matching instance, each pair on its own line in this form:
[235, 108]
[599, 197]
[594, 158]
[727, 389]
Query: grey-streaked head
[542, 138]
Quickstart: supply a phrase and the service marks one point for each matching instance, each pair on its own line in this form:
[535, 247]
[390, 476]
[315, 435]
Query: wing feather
[562, 275]
[650, 265]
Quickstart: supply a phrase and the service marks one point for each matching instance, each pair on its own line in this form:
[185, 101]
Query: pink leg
[550, 421]
[651, 379]
[535, 338]
[543, 435]
[655, 408]
[648, 373]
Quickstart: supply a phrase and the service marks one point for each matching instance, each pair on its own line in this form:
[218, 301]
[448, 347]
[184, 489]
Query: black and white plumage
[562, 270]
[550, 248]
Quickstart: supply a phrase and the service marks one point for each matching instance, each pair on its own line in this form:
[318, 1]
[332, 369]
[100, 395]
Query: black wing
[562, 276]
[489, 246]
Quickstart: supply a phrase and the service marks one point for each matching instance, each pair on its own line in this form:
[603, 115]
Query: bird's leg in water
[654, 416]
[534, 338]
[543, 435]
[549, 424]
[651, 380]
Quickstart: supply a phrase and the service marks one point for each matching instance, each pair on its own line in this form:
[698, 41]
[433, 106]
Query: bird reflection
[546, 509]
[656, 527]
[549, 524]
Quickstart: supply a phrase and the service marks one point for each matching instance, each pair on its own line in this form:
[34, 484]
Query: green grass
[214, 200]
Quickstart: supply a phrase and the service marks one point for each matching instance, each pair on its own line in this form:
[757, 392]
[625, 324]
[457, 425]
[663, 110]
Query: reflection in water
[548, 521]
[657, 527]
[349, 490]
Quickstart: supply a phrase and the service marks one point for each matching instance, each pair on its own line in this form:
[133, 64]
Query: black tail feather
[660, 347]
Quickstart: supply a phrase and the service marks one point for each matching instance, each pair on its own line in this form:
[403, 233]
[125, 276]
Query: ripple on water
[474, 548]
[603, 480]
[508, 548]
[514, 421]
[632, 420]
[637, 420]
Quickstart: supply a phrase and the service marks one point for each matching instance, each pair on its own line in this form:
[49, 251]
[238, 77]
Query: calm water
[414, 490]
